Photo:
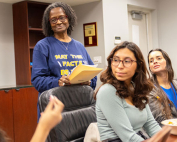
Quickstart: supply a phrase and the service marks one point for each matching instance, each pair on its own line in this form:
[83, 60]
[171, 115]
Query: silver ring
[63, 84]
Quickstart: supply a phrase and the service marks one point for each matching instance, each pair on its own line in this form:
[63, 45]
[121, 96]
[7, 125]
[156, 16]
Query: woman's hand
[52, 114]
[49, 118]
[64, 80]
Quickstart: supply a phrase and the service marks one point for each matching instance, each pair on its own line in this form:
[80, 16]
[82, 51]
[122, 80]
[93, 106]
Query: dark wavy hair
[163, 97]
[72, 18]
[142, 85]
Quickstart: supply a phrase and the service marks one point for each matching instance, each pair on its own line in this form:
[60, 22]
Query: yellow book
[83, 73]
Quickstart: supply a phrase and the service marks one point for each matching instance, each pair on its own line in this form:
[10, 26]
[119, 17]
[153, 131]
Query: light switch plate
[97, 59]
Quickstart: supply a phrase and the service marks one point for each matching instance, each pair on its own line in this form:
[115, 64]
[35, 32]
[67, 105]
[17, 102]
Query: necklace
[65, 45]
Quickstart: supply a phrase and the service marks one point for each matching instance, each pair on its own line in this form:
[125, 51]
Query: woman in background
[55, 56]
[122, 101]
[163, 98]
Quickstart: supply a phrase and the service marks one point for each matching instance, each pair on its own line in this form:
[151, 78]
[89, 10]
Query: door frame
[148, 15]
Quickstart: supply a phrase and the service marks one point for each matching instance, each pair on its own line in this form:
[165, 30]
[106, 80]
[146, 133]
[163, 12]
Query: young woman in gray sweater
[121, 102]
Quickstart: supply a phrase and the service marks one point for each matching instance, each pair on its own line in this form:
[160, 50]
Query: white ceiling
[70, 2]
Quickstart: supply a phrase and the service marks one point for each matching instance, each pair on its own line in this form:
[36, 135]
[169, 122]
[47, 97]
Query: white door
[140, 32]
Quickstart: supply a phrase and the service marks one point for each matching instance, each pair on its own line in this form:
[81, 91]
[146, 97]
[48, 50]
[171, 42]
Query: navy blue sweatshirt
[53, 58]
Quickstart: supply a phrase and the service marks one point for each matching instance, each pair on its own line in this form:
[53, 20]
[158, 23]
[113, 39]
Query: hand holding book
[64, 80]
[82, 74]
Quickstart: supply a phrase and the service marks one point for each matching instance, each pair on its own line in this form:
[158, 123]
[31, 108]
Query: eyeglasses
[61, 19]
[126, 62]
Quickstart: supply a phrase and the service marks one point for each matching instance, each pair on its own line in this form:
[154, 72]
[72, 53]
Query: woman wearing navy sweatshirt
[55, 56]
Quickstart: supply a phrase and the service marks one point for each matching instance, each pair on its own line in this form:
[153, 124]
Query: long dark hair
[71, 15]
[163, 97]
[142, 85]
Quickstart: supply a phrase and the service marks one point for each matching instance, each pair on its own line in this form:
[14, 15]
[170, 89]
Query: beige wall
[7, 60]
[167, 27]
[87, 13]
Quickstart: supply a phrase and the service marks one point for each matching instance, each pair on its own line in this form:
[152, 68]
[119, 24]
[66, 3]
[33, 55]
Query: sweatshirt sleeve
[151, 126]
[112, 107]
[41, 77]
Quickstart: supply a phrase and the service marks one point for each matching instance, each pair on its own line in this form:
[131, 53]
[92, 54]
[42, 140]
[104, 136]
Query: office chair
[78, 113]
